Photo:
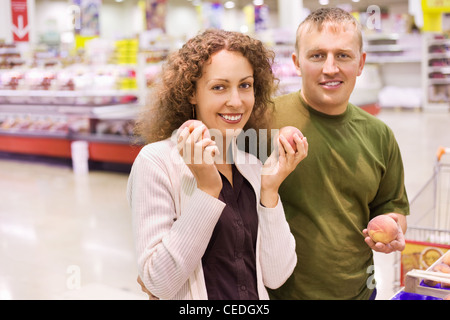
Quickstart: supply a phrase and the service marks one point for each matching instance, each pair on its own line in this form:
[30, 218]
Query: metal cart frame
[429, 221]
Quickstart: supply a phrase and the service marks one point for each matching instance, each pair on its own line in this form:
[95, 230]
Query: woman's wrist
[269, 197]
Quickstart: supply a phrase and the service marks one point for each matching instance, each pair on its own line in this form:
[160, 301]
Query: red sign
[19, 14]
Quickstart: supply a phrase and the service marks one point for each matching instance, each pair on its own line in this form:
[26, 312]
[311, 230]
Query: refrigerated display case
[45, 122]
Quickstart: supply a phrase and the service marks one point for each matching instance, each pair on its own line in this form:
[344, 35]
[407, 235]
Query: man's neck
[332, 110]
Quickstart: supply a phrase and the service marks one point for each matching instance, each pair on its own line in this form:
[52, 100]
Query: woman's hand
[279, 165]
[198, 152]
[145, 290]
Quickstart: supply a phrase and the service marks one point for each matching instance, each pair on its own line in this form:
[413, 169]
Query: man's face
[329, 61]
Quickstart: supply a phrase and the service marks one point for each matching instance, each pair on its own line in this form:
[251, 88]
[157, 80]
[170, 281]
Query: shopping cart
[428, 234]
[430, 284]
[430, 208]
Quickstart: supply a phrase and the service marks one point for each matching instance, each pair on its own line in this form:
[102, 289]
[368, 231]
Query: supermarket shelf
[435, 68]
[121, 111]
[104, 149]
[439, 55]
[105, 138]
[105, 128]
[380, 37]
[443, 70]
[67, 93]
[34, 134]
[385, 48]
[439, 81]
[107, 152]
[393, 59]
[87, 98]
[43, 146]
[437, 106]
[438, 42]
[392, 48]
[116, 111]
[95, 137]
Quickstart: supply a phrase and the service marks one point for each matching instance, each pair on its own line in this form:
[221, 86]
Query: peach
[288, 132]
[442, 267]
[192, 124]
[430, 283]
[383, 229]
[445, 285]
[446, 259]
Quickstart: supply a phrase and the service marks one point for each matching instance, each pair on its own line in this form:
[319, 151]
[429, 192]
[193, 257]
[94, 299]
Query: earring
[193, 111]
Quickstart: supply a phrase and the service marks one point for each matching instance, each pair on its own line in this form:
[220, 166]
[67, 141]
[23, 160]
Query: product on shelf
[442, 266]
[11, 79]
[78, 124]
[20, 123]
[126, 51]
[284, 69]
[50, 101]
[439, 93]
[115, 127]
[72, 85]
[436, 68]
[9, 56]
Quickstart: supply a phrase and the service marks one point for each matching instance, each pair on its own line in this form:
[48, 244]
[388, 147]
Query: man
[353, 171]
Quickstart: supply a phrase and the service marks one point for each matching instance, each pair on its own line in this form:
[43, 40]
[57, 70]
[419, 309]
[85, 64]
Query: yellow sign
[420, 255]
[80, 41]
[432, 14]
[438, 4]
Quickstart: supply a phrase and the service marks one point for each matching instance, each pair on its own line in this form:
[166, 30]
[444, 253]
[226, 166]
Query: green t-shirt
[352, 173]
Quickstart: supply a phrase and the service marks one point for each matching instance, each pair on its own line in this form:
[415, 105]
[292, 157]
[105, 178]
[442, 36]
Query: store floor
[64, 236]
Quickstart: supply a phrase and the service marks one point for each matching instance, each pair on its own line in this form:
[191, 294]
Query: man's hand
[397, 244]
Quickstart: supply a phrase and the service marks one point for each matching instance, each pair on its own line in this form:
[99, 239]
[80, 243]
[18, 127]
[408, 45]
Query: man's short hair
[327, 16]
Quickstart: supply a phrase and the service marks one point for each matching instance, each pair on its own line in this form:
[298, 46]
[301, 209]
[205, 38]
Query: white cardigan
[173, 222]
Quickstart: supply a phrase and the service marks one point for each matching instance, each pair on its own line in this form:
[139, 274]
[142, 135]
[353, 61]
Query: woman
[211, 229]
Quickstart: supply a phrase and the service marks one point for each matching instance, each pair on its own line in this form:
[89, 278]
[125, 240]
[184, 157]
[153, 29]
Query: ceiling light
[229, 4]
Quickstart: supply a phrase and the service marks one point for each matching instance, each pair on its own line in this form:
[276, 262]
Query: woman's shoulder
[157, 148]
[160, 151]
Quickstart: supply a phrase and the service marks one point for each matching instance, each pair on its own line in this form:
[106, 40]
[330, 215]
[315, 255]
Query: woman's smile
[231, 118]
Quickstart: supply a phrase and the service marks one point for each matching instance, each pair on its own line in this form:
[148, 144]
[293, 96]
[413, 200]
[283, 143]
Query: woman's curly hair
[169, 105]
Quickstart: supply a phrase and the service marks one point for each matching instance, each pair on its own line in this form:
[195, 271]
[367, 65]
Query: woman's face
[224, 95]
